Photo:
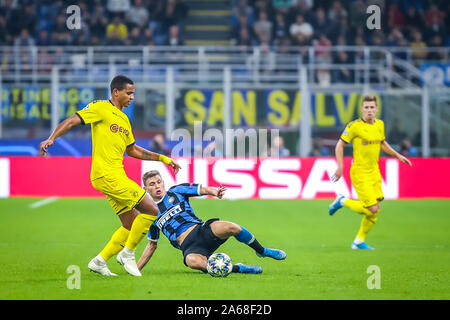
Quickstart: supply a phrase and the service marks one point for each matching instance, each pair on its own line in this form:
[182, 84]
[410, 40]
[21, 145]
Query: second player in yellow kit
[111, 138]
[364, 173]
[368, 138]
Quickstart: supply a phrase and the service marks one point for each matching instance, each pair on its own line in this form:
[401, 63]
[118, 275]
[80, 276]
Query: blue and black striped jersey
[175, 214]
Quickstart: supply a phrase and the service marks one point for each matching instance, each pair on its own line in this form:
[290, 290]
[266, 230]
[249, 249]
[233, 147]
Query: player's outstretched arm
[138, 152]
[339, 150]
[147, 254]
[212, 191]
[390, 151]
[61, 129]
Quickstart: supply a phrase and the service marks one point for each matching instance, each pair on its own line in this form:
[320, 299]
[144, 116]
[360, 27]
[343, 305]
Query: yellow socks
[367, 224]
[368, 220]
[357, 206]
[116, 243]
[139, 229]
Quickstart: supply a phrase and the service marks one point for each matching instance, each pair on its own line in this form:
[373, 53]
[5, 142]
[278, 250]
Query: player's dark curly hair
[119, 82]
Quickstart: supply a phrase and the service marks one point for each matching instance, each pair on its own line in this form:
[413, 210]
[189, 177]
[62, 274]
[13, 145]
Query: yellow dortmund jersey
[111, 135]
[366, 139]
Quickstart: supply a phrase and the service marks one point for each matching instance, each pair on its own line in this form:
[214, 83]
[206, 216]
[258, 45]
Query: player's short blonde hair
[150, 174]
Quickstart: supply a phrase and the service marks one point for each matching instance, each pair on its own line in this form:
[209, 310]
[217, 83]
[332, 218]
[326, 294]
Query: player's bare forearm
[212, 191]
[147, 254]
[339, 152]
[60, 130]
[390, 151]
[138, 152]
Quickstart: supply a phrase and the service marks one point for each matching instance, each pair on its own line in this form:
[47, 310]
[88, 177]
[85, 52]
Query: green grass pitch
[411, 240]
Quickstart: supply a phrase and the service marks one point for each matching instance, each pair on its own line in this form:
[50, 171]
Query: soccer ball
[219, 265]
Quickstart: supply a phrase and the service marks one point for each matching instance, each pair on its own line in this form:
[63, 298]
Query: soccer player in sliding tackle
[196, 239]
[367, 137]
[111, 138]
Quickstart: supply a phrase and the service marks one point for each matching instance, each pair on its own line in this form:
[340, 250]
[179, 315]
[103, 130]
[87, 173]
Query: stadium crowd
[415, 23]
[103, 22]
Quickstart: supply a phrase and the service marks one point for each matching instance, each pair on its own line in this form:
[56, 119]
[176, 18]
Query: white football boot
[98, 265]
[127, 260]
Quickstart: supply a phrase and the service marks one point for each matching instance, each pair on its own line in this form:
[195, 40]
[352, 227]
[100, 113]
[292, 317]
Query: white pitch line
[42, 202]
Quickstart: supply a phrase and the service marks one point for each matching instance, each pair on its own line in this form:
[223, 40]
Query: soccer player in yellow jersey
[111, 138]
[367, 137]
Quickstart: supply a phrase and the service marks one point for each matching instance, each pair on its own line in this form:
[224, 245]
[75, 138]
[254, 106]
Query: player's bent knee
[374, 209]
[196, 262]
[229, 229]
[147, 206]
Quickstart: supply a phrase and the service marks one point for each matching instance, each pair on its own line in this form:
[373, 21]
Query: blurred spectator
[395, 37]
[239, 36]
[24, 39]
[44, 38]
[280, 29]
[6, 60]
[436, 54]
[299, 7]
[417, 42]
[244, 38]
[277, 148]
[301, 28]
[413, 20]
[26, 60]
[60, 34]
[395, 16]
[336, 12]
[323, 56]
[434, 16]
[98, 23]
[174, 12]
[266, 60]
[157, 145]
[116, 32]
[45, 60]
[242, 9]
[402, 54]
[343, 29]
[147, 38]
[174, 37]
[263, 28]
[13, 15]
[283, 58]
[322, 46]
[341, 56]
[357, 13]
[4, 37]
[263, 6]
[321, 24]
[407, 149]
[396, 134]
[137, 15]
[435, 29]
[118, 6]
[282, 6]
[378, 38]
[135, 37]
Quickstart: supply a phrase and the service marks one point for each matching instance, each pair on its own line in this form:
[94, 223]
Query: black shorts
[201, 240]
